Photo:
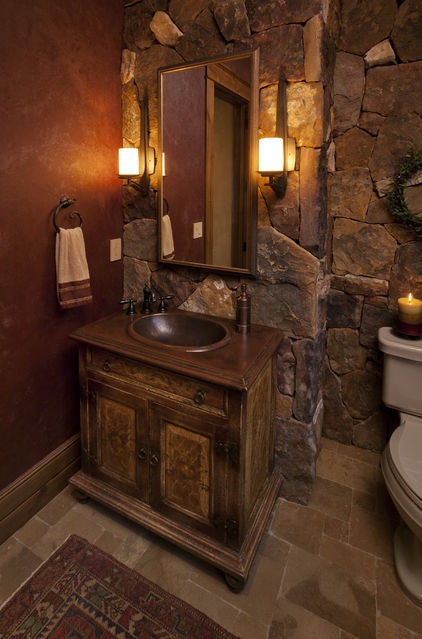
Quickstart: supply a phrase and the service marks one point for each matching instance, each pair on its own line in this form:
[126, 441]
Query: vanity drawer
[200, 394]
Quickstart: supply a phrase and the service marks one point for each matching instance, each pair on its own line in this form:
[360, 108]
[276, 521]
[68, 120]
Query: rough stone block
[212, 297]
[406, 34]
[286, 368]
[373, 317]
[344, 351]
[309, 357]
[231, 18]
[313, 222]
[353, 249]
[140, 239]
[349, 193]
[296, 454]
[281, 52]
[164, 29]
[361, 392]
[305, 110]
[381, 53]
[264, 15]
[349, 82]
[394, 90]
[343, 310]
[364, 23]
[353, 148]
[372, 432]
[393, 142]
[313, 35]
[337, 423]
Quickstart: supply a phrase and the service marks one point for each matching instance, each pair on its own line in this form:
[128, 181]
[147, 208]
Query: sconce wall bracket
[278, 183]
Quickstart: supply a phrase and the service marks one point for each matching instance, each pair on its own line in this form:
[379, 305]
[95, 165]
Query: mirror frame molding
[252, 195]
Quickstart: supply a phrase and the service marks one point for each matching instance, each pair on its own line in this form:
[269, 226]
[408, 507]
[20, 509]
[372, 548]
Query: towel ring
[63, 204]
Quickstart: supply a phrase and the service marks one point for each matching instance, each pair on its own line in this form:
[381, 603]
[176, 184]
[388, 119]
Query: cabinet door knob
[154, 459]
[199, 397]
[107, 365]
[142, 454]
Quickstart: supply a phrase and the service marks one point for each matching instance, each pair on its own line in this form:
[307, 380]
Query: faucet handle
[131, 308]
[162, 306]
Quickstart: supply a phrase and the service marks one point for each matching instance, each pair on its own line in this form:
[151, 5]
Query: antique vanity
[179, 438]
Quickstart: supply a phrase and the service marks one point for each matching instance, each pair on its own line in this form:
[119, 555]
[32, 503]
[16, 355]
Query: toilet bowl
[401, 461]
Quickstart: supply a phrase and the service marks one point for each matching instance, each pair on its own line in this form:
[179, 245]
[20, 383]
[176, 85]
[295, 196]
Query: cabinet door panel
[184, 484]
[117, 433]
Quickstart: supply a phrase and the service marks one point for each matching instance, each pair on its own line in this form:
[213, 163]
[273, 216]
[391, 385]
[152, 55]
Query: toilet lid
[406, 454]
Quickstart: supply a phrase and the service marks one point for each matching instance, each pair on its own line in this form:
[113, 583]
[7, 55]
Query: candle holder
[408, 330]
[409, 321]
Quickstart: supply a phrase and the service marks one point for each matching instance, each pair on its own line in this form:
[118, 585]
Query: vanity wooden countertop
[235, 365]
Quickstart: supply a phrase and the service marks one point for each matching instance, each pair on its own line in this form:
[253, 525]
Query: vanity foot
[81, 497]
[235, 585]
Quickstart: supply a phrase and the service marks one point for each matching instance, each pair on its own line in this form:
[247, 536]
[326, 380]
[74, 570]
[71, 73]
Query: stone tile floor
[323, 571]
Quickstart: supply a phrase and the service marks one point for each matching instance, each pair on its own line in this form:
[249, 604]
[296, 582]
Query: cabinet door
[117, 424]
[188, 482]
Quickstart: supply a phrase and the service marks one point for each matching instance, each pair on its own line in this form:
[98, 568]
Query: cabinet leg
[235, 585]
[81, 497]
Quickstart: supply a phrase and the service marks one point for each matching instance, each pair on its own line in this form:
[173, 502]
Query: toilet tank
[402, 375]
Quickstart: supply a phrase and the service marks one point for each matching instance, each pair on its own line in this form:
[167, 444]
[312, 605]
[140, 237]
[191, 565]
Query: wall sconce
[138, 162]
[277, 155]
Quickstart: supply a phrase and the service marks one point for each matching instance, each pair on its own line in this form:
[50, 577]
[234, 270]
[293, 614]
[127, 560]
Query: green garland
[410, 164]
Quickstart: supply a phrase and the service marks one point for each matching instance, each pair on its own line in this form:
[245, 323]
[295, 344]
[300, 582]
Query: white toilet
[402, 458]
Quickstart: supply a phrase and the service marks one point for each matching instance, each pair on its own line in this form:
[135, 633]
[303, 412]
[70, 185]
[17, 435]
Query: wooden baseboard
[34, 489]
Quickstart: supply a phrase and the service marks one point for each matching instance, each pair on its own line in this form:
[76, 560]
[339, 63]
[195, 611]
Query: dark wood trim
[34, 489]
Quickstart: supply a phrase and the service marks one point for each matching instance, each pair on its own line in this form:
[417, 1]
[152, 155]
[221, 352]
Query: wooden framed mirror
[208, 139]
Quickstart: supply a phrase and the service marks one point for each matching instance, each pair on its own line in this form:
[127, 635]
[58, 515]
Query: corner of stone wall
[291, 287]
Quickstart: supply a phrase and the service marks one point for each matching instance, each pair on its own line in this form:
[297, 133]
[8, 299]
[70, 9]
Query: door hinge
[228, 448]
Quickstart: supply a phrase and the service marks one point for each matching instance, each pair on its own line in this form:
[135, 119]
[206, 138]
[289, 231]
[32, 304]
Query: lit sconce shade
[271, 155]
[129, 162]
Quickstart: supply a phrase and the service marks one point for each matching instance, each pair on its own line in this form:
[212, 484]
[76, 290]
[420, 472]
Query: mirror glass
[209, 126]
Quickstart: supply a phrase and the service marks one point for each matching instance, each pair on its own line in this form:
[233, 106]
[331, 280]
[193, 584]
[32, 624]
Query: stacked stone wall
[292, 284]
[375, 259]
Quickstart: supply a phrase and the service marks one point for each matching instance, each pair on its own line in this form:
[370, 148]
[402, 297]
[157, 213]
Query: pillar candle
[410, 310]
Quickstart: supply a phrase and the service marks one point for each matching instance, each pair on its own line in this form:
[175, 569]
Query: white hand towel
[73, 282]
[167, 244]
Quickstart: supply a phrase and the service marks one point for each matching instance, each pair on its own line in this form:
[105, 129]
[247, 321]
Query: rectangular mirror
[208, 135]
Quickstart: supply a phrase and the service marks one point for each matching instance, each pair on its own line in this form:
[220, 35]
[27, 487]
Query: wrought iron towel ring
[63, 204]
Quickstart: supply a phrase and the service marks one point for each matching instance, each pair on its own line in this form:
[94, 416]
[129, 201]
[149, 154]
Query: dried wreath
[409, 167]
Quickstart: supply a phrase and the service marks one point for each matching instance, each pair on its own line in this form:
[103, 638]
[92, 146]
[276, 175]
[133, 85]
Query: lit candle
[410, 310]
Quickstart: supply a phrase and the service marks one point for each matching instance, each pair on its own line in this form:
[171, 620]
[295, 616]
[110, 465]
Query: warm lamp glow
[128, 162]
[271, 157]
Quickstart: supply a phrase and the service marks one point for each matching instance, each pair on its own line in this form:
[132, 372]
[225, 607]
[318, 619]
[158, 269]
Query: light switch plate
[197, 230]
[116, 249]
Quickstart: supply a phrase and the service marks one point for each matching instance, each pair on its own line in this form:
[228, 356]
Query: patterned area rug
[80, 592]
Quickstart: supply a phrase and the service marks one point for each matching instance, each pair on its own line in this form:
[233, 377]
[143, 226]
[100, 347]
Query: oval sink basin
[182, 330]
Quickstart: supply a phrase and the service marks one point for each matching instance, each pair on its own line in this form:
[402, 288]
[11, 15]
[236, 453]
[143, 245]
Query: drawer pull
[154, 459]
[107, 366]
[199, 397]
[142, 454]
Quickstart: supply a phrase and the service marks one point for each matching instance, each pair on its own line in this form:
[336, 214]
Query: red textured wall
[60, 127]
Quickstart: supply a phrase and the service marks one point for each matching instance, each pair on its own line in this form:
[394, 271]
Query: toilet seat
[405, 459]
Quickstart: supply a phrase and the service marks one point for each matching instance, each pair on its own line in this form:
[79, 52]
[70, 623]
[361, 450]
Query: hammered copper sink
[181, 330]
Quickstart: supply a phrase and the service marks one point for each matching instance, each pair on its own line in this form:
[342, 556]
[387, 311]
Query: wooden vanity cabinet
[186, 457]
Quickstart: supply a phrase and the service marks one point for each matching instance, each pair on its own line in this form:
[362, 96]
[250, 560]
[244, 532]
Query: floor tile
[349, 558]
[338, 596]
[17, 563]
[291, 620]
[372, 533]
[393, 603]
[331, 498]
[299, 525]
[347, 471]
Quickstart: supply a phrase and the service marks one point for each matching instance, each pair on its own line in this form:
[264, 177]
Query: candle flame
[410, 297]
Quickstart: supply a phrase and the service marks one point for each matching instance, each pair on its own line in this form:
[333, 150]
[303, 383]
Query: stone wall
[292, 285]
[376, 120]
